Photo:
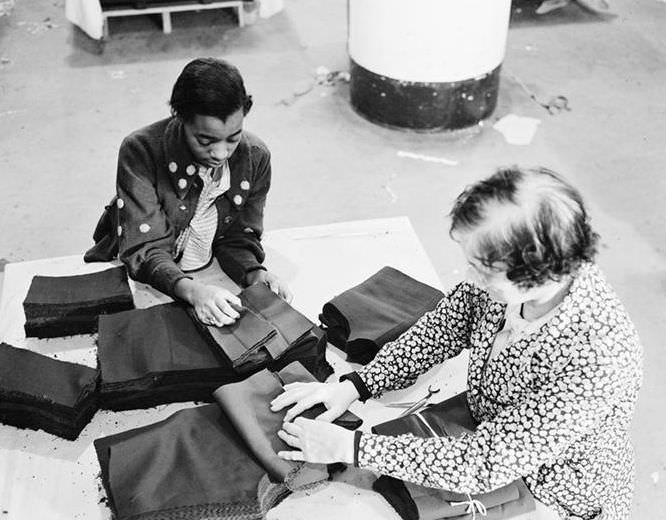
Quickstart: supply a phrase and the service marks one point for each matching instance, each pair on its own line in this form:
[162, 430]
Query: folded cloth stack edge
[66, 305]
[362, 319]
[171, 469]
[267, 329]
[39, 392]
[413, 502]
[157, 355]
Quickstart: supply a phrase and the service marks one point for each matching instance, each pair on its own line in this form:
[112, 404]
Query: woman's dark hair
[209, 87]
[529, 222]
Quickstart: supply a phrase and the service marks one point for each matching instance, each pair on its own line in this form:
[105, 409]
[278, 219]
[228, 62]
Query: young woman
[554, 371]
[191, 188]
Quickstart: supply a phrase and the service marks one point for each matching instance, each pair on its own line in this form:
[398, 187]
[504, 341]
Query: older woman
[190, 188]
[554, 368]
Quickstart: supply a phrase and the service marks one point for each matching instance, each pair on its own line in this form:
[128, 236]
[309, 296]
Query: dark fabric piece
[66, 305]
[414, 502]
[247, 402]
[38, 392]
[310, 351]
[155, 356]
[363, 392]
[450, 418]
[362, 319]
[156, 199]
[268, 330]
[191, 465]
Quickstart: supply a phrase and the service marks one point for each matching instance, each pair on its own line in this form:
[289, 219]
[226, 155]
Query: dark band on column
[421, 105]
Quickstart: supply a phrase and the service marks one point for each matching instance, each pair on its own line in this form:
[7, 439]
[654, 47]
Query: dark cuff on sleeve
[258, 267]
[162, 275]
[363, 392]
[236, 263]
[357, 445]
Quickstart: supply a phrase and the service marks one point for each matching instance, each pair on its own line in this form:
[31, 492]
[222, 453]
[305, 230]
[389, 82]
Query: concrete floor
[66, 102]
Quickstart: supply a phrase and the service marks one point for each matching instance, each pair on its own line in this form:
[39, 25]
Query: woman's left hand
[274, 283]
[317, 441]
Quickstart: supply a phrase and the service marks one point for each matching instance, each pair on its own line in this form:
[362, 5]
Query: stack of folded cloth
[413, 502]
[270, 333]
[38, 392]
[65, 305]
[163, 355]
[362, 319]
[154, 356]
[207, 461]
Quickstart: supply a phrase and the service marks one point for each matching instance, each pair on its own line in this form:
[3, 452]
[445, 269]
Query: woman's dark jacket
[157, 194]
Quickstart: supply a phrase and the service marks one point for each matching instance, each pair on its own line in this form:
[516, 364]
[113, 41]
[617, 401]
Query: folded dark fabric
[267, 328]
[197, 463]
[157, 355]
[38, 392]
[362, 319]
[154, 356]
[413, 502]
[246, 403]
[66, 305]
[192, 465]
[451, 418]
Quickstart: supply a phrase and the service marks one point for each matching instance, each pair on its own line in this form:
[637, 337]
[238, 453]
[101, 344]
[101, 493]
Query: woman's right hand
[337, 397]
[213, 305]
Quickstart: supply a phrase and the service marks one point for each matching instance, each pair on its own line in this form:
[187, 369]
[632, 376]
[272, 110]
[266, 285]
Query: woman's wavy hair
[529, 222]
[209, 87]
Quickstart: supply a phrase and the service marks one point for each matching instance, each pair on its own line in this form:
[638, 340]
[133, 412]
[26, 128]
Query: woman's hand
[274, 283]
[335, 396]
[317, 441]
[213, 305]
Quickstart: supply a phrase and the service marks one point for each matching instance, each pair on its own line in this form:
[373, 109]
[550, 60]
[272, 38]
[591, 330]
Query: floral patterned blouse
[554, 407]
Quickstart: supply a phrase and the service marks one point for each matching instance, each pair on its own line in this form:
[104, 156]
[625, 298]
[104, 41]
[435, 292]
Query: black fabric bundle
[191, 465]
[65, 305]
[207, 461]
[362, 319]
[158, 355]
[154, 356]
[270, 333]
[38, 392]
[413, 502]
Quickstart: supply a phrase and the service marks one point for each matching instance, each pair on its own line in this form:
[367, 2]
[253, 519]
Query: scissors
[415, 406]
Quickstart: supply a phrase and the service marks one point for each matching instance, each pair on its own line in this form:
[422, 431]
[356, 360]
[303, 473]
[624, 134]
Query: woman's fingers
[292, 440]
[225, 307]
[300, 407]
[292, 393]
[285, 293]
[291, 455]
[329, 415]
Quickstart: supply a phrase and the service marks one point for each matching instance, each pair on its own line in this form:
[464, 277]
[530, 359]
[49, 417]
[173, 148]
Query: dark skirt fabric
[154, 356]
[362, 319]
[451, 418]
[267, 329]
[67, 305]
[192, 465]
[42, 393]
[247, 404]
[158, 355]
[208, 461]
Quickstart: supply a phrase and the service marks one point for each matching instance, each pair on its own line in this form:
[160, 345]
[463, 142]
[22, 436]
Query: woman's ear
[247, 105]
